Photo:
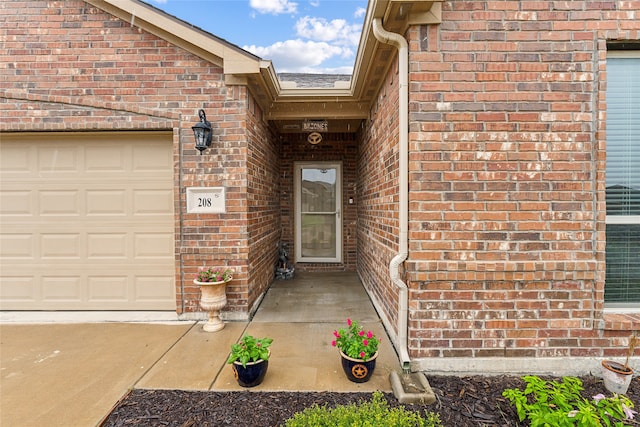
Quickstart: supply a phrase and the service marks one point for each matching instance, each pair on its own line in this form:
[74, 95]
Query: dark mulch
[461, 401]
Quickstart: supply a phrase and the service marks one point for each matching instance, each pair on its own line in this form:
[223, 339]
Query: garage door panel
[62, 288]
[152, 245]
[16, 160]
[94, 235]
[20, 289]
[106, 202]
[59, 202]
[106, 158]
[14, 246]
[147, 159]
[58, 158]
[16, 202]
[148, 288]
[108, 288]
[107, 245]
[153, 202]
[54, 246]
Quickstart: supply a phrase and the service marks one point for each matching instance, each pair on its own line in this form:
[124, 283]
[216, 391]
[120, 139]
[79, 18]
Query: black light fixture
[202, 132]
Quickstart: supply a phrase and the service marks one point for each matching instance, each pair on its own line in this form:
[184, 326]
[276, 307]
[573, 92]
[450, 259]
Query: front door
[318, 190]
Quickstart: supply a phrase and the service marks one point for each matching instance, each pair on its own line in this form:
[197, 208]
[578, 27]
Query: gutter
[401, 44]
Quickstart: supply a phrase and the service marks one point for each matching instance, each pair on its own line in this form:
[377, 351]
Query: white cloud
[360, 12]
[337, 31]
[274, 7]
[299, 56]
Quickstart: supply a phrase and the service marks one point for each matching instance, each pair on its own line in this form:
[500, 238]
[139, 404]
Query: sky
[317, 36]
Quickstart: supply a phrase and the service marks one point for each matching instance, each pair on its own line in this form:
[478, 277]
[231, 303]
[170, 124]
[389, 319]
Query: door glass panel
[318, 236]
[318, 192]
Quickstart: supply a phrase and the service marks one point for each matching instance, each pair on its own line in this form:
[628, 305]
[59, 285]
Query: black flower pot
[251, 375]
[358, 370]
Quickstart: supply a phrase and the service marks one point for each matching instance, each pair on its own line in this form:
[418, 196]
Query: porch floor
[74, 373]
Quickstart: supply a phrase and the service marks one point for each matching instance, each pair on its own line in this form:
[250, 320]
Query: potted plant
[250, 359]
[617, 377]
[213, 294]
[358, 351]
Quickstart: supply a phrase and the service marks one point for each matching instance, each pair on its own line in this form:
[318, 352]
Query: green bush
[560, 404]
[375, 413]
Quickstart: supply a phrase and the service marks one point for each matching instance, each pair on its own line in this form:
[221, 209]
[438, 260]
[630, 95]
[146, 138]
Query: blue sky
[318, 36]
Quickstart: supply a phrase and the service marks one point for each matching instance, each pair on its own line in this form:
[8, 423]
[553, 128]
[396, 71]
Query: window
[622, 288]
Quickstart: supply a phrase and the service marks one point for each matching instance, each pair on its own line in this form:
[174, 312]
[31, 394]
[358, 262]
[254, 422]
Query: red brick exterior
[506, 170]
[378, 226]
[68, 66]
[506, 164]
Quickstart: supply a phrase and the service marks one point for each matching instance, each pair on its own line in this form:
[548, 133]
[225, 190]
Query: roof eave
[233, 59]
[285, 102]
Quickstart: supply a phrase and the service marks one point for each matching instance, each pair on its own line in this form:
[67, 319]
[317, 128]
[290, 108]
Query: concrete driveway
[73, 374]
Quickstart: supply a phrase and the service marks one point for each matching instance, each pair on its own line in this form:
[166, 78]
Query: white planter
[616, 377]
[213, 298]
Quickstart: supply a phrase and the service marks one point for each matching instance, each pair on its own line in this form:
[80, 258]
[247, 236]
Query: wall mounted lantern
[202, 132]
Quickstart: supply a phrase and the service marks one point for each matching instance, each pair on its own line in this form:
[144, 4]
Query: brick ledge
[621, 321]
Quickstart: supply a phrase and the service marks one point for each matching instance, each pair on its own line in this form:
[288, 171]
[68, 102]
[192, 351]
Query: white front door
[318, 191]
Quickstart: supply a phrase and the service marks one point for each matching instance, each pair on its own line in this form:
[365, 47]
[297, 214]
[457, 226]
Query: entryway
[317, 298]
[318, 217]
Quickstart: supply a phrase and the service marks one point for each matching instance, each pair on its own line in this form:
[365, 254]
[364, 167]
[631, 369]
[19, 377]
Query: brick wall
[263, 202]
[67, 66]
[378, 226]
[506, 173]
[218, 239]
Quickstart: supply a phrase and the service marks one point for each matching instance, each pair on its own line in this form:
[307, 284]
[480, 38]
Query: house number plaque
[205, 200]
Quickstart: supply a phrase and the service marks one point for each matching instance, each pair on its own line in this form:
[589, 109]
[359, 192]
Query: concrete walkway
[72, 374]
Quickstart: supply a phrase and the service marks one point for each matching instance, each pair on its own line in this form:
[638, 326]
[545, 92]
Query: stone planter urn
[213, 298]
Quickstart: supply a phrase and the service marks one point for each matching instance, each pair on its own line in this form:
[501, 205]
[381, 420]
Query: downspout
[401, 44]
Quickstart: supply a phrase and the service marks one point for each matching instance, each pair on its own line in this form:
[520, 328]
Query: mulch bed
[461, 401]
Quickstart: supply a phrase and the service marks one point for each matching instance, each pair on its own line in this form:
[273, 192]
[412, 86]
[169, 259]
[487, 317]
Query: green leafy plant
[355, 342]
[250, 349]
[374, 413]
[218, 274]
[557, 404]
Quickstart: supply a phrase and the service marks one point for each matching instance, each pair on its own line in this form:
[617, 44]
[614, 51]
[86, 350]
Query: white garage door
[86, 221]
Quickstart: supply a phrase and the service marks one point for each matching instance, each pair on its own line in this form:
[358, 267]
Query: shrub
[375, 413]
[556, 404]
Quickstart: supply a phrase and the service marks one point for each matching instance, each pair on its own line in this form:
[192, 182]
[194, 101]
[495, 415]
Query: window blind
[623, 180]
